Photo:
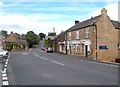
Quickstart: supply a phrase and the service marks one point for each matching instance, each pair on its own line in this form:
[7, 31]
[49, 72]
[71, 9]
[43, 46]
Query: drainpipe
[96, 40]
[66, 41]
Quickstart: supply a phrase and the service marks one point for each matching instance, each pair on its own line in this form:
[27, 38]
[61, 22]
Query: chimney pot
[76, 21]
[104, 11]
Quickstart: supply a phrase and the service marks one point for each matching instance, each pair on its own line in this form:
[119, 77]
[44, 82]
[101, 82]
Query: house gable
[12, 38]
[107, 35]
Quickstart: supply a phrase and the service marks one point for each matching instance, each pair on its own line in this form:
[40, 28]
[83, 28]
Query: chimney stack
[104, 11]
[76, 21]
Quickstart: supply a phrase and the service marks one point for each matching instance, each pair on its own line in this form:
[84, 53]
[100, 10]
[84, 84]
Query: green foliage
[32, 38]
[49, 43]
[3, 32]
[41, 36]
[11, 45]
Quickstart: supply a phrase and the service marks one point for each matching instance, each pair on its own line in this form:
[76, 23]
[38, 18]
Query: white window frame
[87, 33]
[70, 38]
[77, 49]
[77, 34]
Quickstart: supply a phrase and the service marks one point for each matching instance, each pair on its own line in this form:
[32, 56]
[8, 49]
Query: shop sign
[103, 47]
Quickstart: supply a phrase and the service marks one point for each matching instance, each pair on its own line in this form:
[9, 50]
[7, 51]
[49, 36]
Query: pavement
[90, 59]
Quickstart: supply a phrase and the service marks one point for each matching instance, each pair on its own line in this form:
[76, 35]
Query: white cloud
[22, 24]
[107, 1]
[1, 4]
[112, 11]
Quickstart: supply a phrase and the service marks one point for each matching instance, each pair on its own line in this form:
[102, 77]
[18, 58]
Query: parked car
[43, 48]
[49, 50]
[3, 53]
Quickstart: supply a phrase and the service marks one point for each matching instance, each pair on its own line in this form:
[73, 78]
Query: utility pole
[54, 37]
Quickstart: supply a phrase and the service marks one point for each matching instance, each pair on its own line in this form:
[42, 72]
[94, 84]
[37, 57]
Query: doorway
[86, 50]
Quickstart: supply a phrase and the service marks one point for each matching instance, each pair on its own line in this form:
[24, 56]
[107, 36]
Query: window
[69, 35]
[77, 34]
[77, 49]
[87, 33]
[118, 45]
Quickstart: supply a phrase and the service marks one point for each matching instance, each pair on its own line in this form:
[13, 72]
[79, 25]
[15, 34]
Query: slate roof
[85, 23]
[62, 33]
[116, 24]
[90, 22]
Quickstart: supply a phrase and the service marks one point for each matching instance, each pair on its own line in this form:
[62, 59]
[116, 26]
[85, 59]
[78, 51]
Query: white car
[3, 53]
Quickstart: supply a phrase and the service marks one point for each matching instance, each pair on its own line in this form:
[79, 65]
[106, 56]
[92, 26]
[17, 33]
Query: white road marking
[6, 62]
[25, 53]
[3, 71]
[5, 78]
[5, 65]
[5, 83]
[9, 56]
[58, 63]
[37, 55]
[43, 58]
[4, 75]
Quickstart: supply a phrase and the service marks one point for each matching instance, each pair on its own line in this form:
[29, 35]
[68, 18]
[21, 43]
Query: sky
[41, 16]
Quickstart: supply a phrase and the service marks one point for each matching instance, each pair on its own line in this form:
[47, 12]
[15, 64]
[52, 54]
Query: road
[36, 67]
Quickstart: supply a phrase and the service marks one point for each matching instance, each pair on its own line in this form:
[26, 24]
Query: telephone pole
[54, 37]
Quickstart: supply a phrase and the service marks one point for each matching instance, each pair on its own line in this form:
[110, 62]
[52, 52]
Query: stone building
[15, 41]
[97, 38]
[1, 39]
[61, 43]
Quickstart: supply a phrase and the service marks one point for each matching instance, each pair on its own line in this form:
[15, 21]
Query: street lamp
[54, 37]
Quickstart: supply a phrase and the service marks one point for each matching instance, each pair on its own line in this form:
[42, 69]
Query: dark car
[49, 50]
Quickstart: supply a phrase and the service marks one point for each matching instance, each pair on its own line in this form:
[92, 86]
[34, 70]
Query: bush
[117, 60]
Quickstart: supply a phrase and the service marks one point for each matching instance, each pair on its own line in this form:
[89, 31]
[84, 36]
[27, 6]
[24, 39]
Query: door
[86, 50]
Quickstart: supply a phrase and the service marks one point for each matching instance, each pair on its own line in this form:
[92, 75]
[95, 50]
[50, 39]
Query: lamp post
[54, 37]
[66, 41]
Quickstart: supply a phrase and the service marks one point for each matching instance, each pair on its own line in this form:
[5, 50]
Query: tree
[42, 35]
[32, 38]
[3, 32]
[49, 43]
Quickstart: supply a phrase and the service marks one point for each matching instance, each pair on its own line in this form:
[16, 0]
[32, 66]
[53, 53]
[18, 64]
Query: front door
[86, 50]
